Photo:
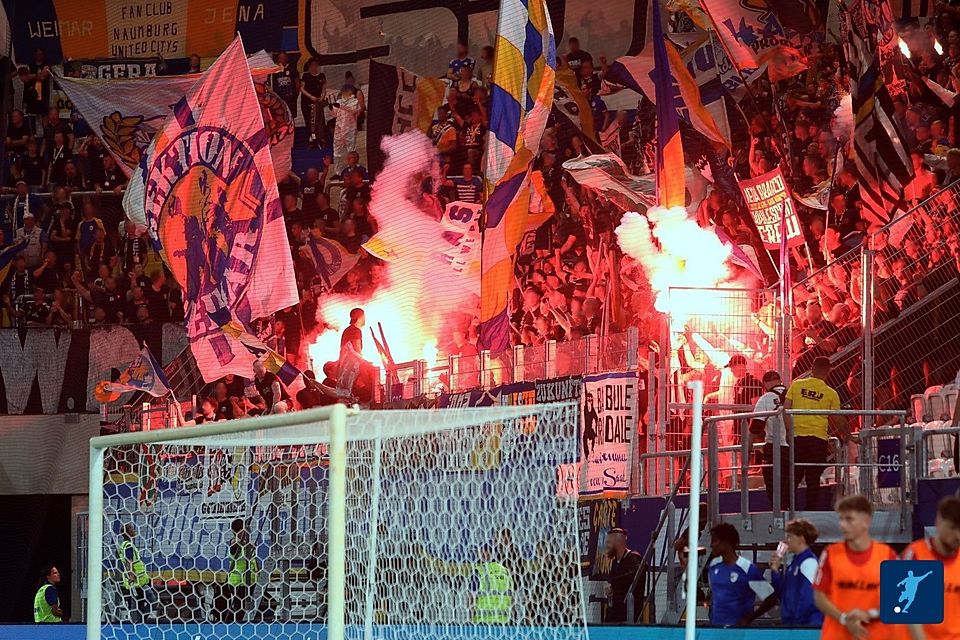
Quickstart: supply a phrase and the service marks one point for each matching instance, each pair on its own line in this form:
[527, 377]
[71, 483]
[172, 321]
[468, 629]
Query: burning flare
[675, 252]
[418, 293]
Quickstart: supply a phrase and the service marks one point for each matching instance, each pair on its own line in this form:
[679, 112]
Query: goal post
[373, 524]
[336, 415]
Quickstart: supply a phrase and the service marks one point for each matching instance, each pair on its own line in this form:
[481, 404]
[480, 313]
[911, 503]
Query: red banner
[768, 202]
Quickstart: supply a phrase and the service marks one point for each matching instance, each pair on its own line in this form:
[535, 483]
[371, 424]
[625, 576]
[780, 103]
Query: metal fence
[893, 309]
[704, 329]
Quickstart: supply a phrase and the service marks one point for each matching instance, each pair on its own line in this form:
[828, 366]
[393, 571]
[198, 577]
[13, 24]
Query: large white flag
[206, 191]
[125, 113]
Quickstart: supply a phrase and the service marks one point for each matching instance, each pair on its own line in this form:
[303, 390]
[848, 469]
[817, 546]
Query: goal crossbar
[335, 416]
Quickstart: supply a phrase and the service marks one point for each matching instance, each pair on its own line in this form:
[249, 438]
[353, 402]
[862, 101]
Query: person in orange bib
[847, 587]
[943, 546]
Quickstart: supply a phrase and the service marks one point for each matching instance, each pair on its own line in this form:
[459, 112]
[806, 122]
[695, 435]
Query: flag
[330, 259]
[782, 62]
[398, 100]
[947, 96]
[8, 254]
[607, 174]
[521, 98]
[610, 137]
[144, 374]
[125, 113]
[206, 191]
[881, 158]
[669, 161]
[754, 35]
[288, 374]
[681, 93]
[745, 256]
[569, 101]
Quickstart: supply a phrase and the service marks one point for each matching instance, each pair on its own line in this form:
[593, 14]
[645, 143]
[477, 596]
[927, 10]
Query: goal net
[377, 524]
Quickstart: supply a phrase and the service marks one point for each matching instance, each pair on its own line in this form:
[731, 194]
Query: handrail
[648, 553]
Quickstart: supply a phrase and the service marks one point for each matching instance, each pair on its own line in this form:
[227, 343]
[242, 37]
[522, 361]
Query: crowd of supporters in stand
[572, 278]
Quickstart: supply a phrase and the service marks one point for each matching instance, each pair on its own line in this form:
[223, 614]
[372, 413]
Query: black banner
[110, 68]
[48, 371]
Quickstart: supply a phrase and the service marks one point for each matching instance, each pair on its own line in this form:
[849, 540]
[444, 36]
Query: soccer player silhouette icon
[910, 584]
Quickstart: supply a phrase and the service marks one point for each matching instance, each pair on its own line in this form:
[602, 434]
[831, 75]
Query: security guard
[493, 593]
[244, 569]
[46, 604]
[135, 581]
[811, 432]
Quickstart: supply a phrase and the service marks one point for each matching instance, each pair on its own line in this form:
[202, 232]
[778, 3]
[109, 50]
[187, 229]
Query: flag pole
[726, 50]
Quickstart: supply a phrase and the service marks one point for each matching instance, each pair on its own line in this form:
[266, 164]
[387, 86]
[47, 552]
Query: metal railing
[552, 359]
[867, 462]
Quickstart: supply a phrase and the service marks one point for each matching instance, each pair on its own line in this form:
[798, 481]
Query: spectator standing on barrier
[942, 547]
[735, 582]
[847, 586]
[794, 582]
[811, 432]
[623, 572]
[766, 430]
[46, 604]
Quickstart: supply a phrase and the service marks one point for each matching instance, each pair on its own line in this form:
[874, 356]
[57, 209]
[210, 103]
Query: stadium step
[759, 530]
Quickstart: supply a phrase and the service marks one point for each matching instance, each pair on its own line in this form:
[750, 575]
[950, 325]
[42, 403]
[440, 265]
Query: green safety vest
[139, 569]
[43, 612]
[494, 598]
[243, 570]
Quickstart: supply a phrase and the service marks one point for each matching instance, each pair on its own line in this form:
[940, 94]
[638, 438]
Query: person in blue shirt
[468, 188]
[735, 582]
[794, 583]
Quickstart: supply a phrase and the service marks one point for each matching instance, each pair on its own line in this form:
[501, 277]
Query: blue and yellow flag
[669, 162]
[521, 97]
[8, 255]
[144, 374]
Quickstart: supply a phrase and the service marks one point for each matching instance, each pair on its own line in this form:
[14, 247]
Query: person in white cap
[36, 241]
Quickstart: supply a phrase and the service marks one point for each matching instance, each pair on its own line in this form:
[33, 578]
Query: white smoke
[673, 250]
[842, 123]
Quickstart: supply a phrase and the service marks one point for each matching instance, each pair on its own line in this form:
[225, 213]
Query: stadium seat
[919, 408]
[939, 450]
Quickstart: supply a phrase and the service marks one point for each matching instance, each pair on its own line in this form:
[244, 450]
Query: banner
[768, 202]
[608, 424]
[126, 113]
[171, 29]
[226, 481]
[461, 226]
[207, 193]
[595, 518]
[399, 100]
[114, 68]
[56, 371]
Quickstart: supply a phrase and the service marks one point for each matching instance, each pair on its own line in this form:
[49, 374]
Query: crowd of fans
[84, 263]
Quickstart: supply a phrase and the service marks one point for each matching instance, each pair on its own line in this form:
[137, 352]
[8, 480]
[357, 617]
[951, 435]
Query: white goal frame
[335, 415]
